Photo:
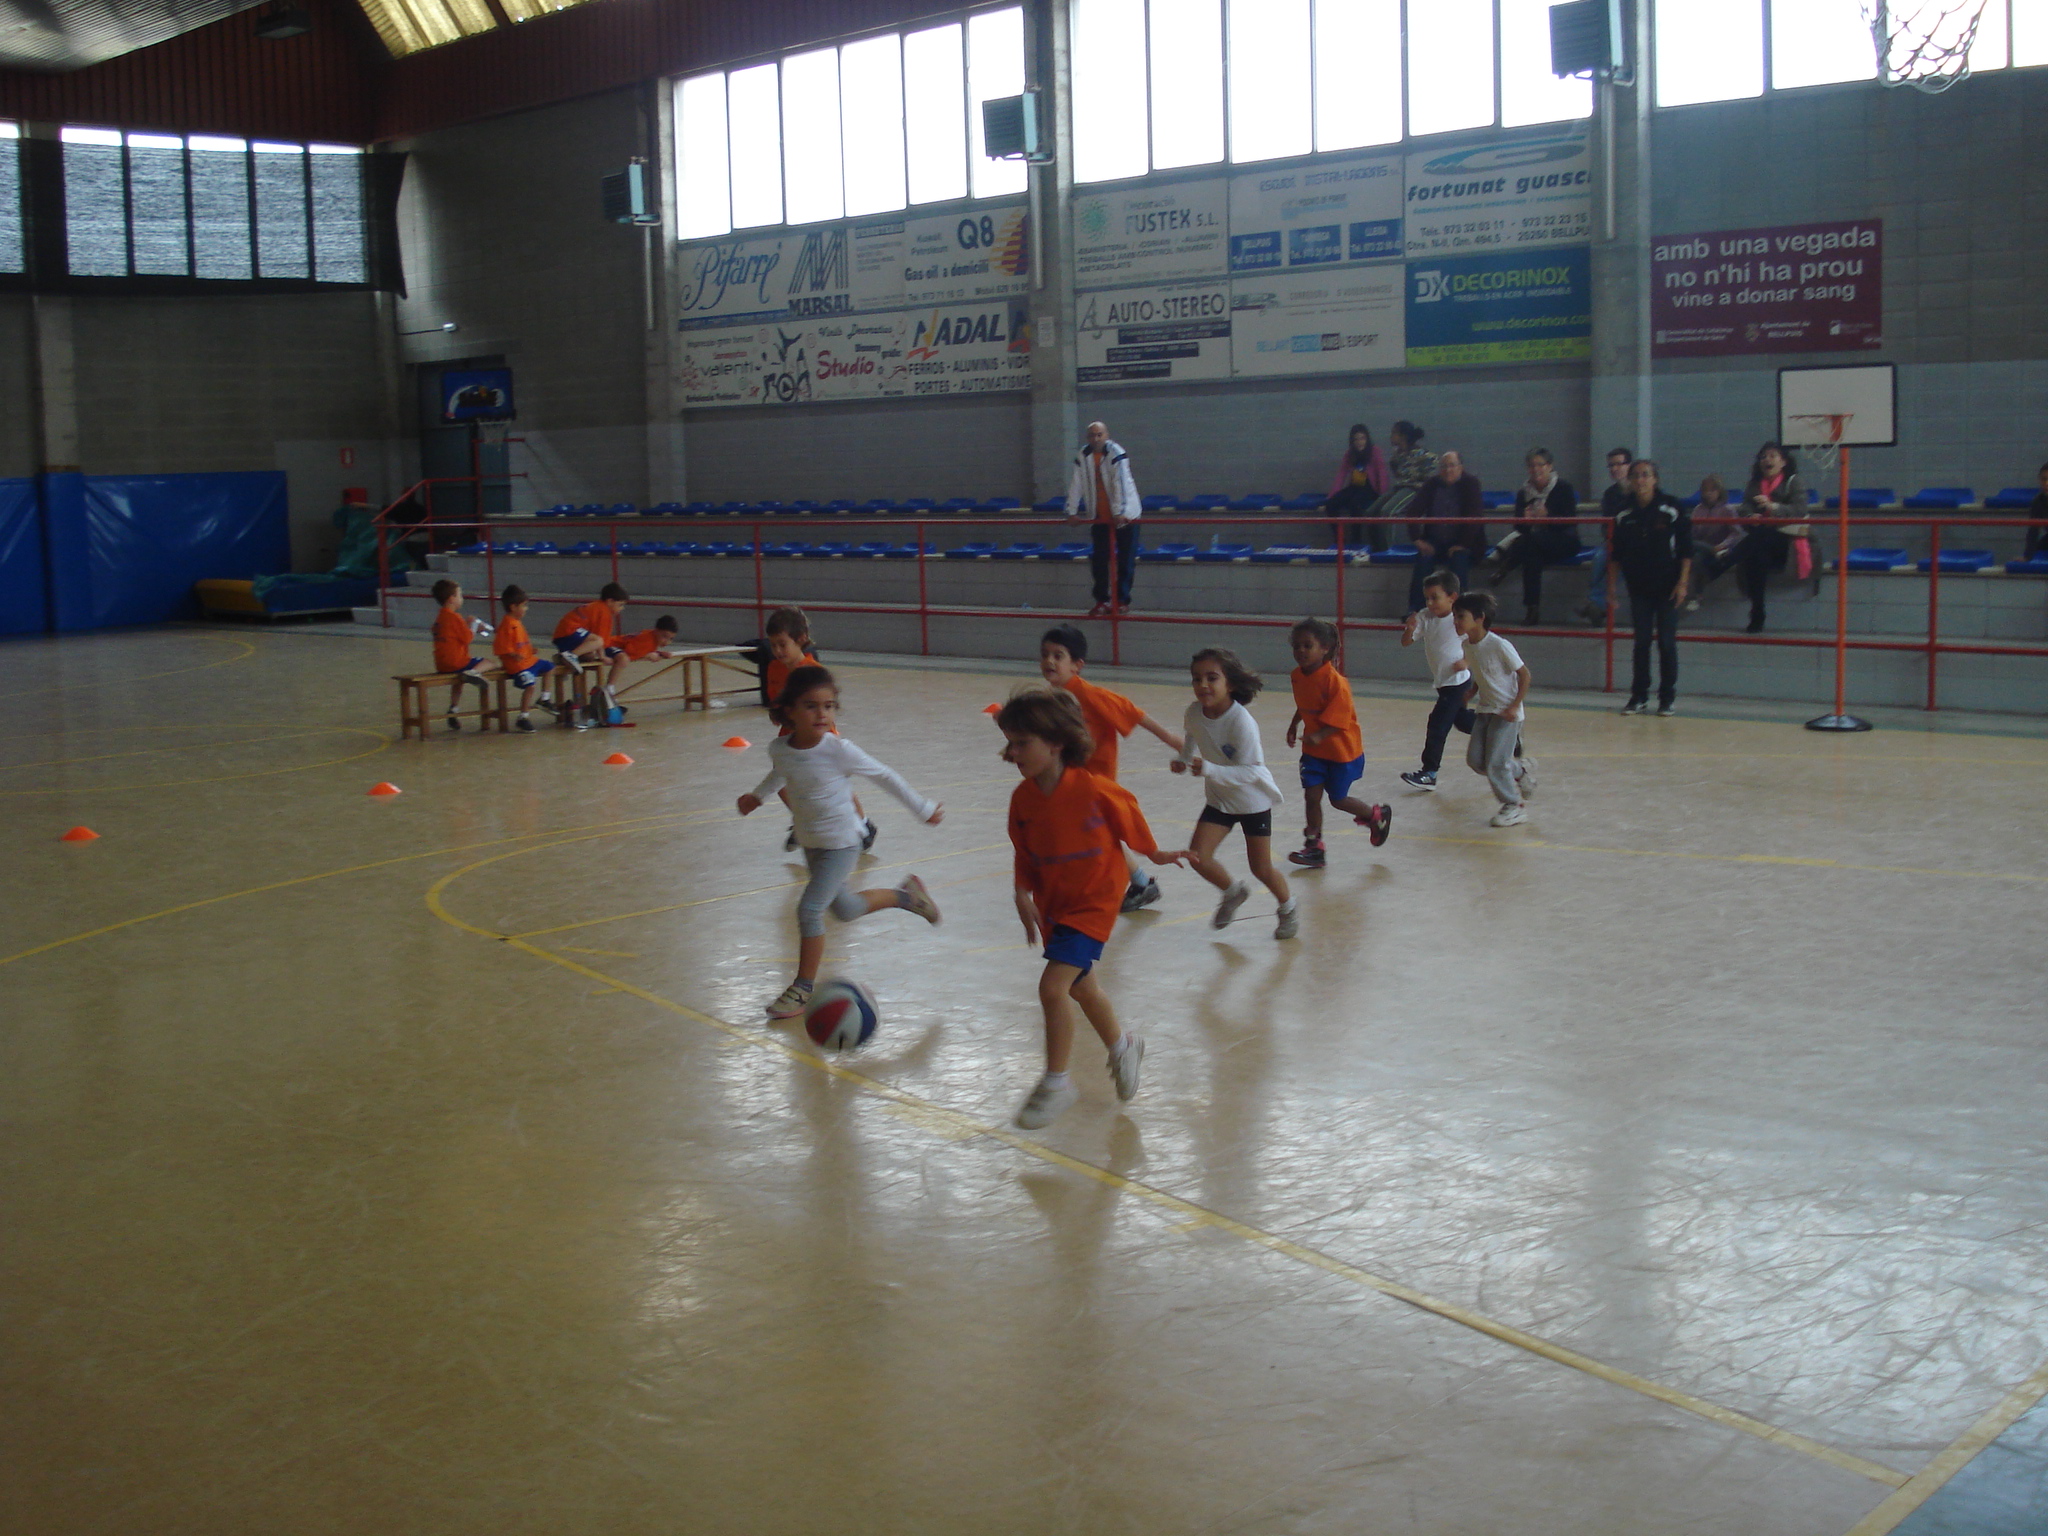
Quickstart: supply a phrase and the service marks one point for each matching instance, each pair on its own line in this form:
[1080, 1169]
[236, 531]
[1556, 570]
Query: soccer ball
[842, 1015]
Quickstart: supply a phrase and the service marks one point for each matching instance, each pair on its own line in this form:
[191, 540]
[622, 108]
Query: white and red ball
[841, 1016]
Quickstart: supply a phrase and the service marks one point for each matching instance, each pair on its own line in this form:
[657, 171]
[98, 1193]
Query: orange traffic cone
[738, 743]
[991, 709]
[618, 760]
[385, 789]
[80, 835]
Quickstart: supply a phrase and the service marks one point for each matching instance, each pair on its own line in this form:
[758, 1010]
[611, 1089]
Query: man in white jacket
[1102, 490]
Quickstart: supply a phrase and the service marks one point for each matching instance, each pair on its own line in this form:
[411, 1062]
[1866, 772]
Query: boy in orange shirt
[789, 647]
[516, 655]
[1332, 753]
[628, 649]
[1070, 828]
[1062, 652]
[585, 633]
[452, 635]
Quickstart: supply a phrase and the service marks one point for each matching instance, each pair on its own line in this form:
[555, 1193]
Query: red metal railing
[491, 532]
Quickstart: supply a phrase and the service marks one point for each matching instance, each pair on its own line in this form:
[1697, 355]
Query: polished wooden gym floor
[1672, 1163]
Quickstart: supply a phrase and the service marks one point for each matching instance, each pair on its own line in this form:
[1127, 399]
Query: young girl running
[1222, 749]
[816, 765]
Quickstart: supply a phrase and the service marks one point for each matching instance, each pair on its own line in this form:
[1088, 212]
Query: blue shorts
[1335, 777]
[571, 640]
[466, 668]
[533, 674]
[1070, 946]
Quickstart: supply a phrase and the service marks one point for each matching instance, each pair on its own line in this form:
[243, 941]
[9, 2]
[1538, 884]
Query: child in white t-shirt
[1433, 626]
[1499, 685]
[1220, 746]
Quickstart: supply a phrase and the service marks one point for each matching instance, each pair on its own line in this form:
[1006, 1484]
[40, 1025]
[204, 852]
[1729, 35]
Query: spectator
[2037, 526]
[1612, 501]
[1408, 470]
[1440, 539]
[1361, 481]
[1101, 489]
[1652, 548]
[1775, 492]
[1716, 531]
[1539, 540]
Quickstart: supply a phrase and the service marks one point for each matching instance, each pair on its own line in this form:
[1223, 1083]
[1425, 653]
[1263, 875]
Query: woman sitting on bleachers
[1409, 469]
[1774, 491]
[1361, 481]
[1537, 541]
[1717, 532]
[2037, 519]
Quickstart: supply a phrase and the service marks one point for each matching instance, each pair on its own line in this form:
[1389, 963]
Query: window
[869, 127]
[1186, 39]
[159, 205]
[1529, 92]
[10, 198]
[1709, 50]
[1358, 41]
[2030, 31]
[1110, 141]
[407, 26]
[871, 124]
[1271, 109]
[1450, 65]
[1820, 42]
[1713, 50]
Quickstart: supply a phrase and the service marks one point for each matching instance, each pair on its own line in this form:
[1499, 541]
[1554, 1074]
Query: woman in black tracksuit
[1652, 548]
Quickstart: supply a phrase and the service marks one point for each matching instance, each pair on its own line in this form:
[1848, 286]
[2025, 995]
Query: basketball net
[1821, 438]
[1924, 43]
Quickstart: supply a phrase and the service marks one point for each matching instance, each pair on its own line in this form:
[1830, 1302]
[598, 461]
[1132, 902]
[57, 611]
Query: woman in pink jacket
[1361, 481]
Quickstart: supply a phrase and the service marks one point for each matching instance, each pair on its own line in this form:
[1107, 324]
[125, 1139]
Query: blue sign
[1504, 307]
[1255, 253]
[1372, 241]
[477, 394]
[1322, 242]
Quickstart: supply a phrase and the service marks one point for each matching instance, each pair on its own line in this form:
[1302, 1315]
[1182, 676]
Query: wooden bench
[413, 714]
[695, 663]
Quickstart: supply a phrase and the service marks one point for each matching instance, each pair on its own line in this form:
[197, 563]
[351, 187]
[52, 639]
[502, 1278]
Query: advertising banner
[1338, 322]
[1348, 210]
[1508, 307]
[967, 257]
[968, 349]
[858, 358]
[1523, 192]
[1151, 235]
[721, 368]
[776, 278]
[1132, 334]
[1789, 288]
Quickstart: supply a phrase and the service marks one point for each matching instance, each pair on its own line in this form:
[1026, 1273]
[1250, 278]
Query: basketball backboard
[1865, 393]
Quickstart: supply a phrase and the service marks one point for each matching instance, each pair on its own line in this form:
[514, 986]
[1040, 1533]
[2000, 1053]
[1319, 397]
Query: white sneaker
[1226, 909]
[796, 997]
[1123, 1069]
[568, 663]
[1509, 816]
[1047, 1104]
[1525, 775]
[915, 898]
[1289, 924]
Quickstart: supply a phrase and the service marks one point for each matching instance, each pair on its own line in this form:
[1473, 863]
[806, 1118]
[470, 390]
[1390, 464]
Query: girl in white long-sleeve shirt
[1222, 750]
[817, 768]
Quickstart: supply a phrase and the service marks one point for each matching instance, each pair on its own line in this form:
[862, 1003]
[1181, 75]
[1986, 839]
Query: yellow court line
[197, 746]
[759, 890]
[384, 744]
[1721, 858]
[1931, 1478]
[247, 651]
[961, 1126]
[352, 869]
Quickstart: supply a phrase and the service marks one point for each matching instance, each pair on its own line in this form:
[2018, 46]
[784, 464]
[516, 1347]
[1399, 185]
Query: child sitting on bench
[516, 655]
[453, 632]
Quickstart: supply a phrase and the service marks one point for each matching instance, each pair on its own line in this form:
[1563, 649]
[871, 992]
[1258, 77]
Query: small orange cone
[618, 760]
[80, 835]
[991, 709]
[384, 789]
[738, 743]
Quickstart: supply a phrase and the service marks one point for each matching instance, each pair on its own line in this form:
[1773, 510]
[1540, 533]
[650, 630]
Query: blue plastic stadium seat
[1962, 562]
[1940, 498]
[1254, 501]
[1494, 500]
[546, 547]
[681, 547]
[2038, 566]
[1864, 498]
[514, 547]
[699, 508]
[1394, 554]
[1307, 501]
[999, 504]
[1050, 504]
[726, 547]
[589, 547]
[1160, 503]
[916, 504]
[589, 509]
[1223, 554]
[562, 509]
[1018, 552]
[974, 551]
[731, 508]
[879, 504]
[959, 504]
[1167, 552]
[899, 551]
[839, 505]
[2014, 498]
[1878, 559]
[874, 549]
[832, 550]
[1280, 554]
[804, 506]
[622, 509]
[1067, 551]
[1208, 501]
[473, 549]
[663, 509]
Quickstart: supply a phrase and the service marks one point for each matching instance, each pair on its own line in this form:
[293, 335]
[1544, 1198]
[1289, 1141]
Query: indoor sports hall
[496, 1041]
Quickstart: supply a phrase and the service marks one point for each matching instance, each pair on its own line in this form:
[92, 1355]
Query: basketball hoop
[1821, 438]
[1924, 43]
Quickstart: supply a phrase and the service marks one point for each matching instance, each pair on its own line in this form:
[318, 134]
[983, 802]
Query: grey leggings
[830, 869]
